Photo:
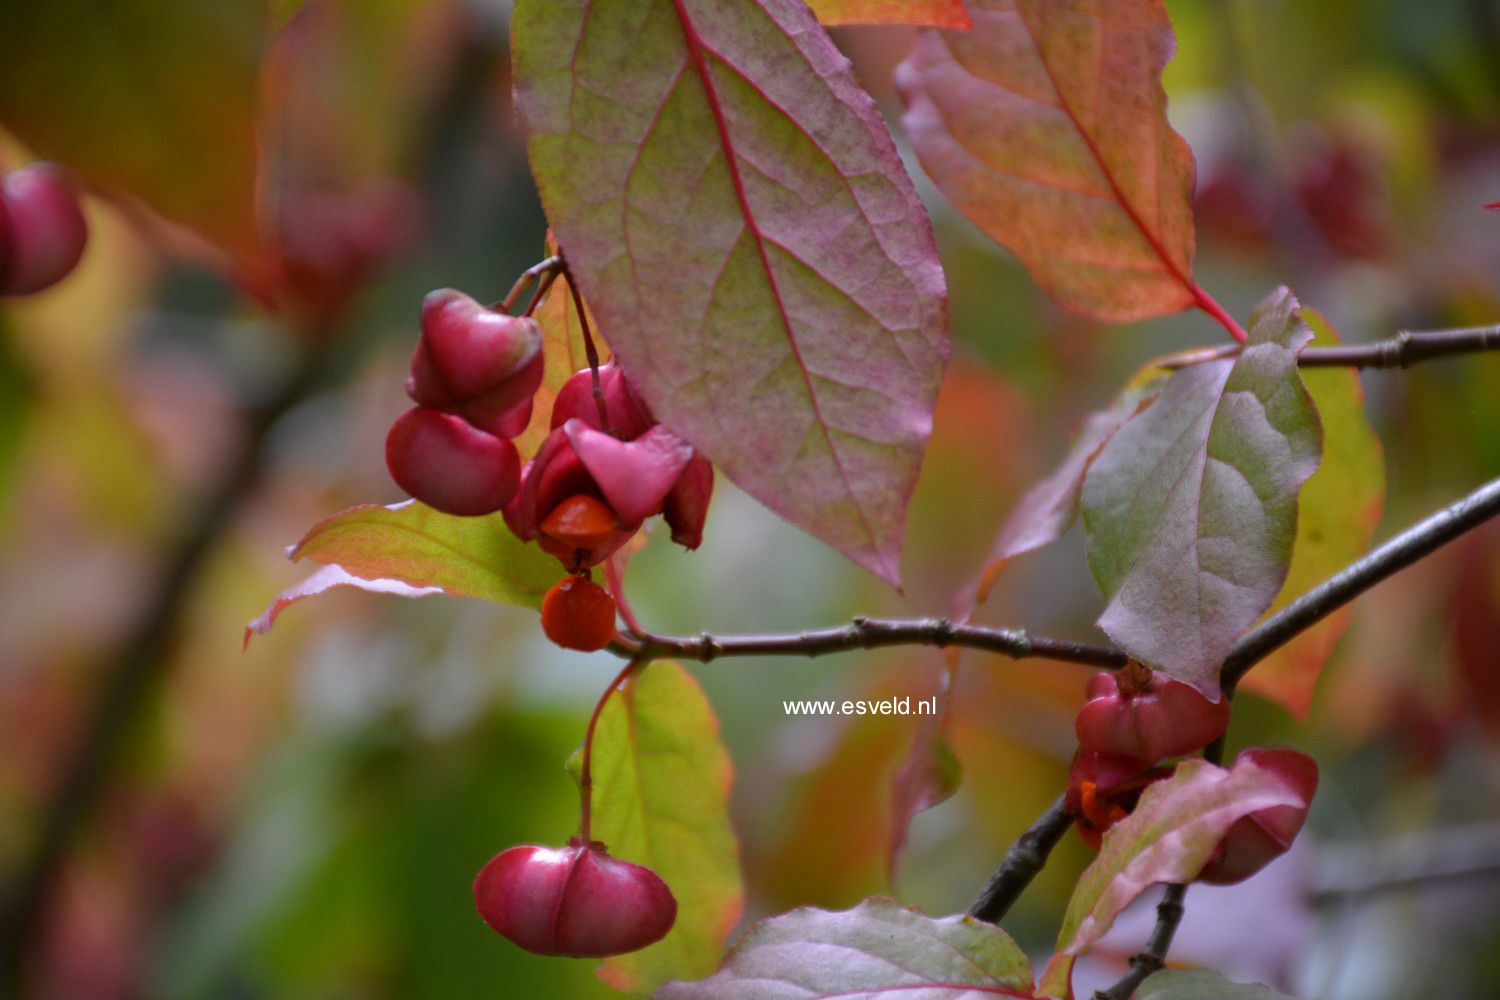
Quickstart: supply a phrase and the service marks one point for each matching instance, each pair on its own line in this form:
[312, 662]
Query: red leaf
[1046, 125]
[734, 209]
[937, 13]
[928, 775]
[325, 579]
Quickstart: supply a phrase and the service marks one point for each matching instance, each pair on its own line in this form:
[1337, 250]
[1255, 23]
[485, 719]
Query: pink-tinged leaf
[1339, 510]
[1190, 509]
[661, 799]
[414, 544]
[1046, 126]
[936, 13]
[930, 772]
[1048, 509]
[1172, 833]
[1201, 984]
[1494, 206]
[879, 948]
[324, 579]
[735, 211]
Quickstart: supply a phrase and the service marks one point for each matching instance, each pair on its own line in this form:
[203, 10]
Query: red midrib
[696, 47]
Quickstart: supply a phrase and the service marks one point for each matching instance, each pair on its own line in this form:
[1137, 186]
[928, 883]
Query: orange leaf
[938, 13]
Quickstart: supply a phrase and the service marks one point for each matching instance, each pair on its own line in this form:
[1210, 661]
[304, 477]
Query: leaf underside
[1168, 838]
[1046, 126]
[1190, 509]
[1200, 984]
[737, 216]
[661, 798]
[879, 948]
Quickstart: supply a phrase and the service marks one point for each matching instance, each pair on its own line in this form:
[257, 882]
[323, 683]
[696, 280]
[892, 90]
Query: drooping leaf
[939, 13]
[1168, 838]
[1048, 509]
[879, 948]
[325, 579]
[155, 99]
[1046, 125]
[661, 799]
[1201, 984]
[1190, 509]
[735, 211]
[1339, 510]
[412, 543]
[930, 772]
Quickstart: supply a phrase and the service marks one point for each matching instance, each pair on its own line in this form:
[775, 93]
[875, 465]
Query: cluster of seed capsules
[605, 466]
[42, 230]
[1136, 719]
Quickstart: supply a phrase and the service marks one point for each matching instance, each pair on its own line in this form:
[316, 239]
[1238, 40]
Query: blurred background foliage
[303, 819]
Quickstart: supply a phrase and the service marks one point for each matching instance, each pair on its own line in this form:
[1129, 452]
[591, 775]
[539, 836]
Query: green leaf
[1199, 984]
[1339, 510]
[1190, 509]
[879, 947]
[1046, 126]
[1168, 838]
[661, 799]
[154, 99]
[733, 208]
[1049, 508]
[939, 13]
[412, 543]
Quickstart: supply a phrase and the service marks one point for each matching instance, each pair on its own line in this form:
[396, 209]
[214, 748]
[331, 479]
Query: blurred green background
[303, 819]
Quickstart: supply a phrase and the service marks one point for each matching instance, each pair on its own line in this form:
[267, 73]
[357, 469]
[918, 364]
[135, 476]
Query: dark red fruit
[1259, 838]
[42, 232]
[1148, 716]
[579, 614]
[1103, 789]
[481, 364]
[450, 465]
[575, 901]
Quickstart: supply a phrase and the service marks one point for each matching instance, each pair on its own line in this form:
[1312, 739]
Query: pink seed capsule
[43, 234]
[478, 363]
[1148, 716]
[575, 901]
[450, 465]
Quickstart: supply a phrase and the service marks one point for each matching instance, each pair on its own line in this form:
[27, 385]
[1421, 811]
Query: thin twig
[870, 633]
[1021, 864]
[1414, 543]
[1413, 860]
[551, 265]
[1401, 351]
[1151, 958]
[125, 682]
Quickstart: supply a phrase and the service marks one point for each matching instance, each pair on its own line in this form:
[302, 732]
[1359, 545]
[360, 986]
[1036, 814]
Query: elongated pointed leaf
[1168, 838]
[1337, 515]
[412, 543]
[1046, 125]
[1048, 509]
[1190, 509]
[325, 579]
[661, 799]
[734, 209]
[879, 948]
[1200, 984]
[938, 13]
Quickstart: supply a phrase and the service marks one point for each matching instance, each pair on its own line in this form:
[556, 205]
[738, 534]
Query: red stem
[586, 773]
[591, 353]
[1210, 305]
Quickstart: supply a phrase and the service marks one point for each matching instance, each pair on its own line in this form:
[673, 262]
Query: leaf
[878, 948]
[1339, 510]
[1190, 509]
[412, 543]
[661, 799]
[939, 13]
[930, 772]
[1168, 838]
[324, 579]
[1200, 984]
[1048, 509]
[735, 211]
[154, 99]
[1046, 126]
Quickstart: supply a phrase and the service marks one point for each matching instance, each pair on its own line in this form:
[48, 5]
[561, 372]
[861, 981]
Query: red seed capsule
[450, 465]
[575, 901]
[579, 614]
